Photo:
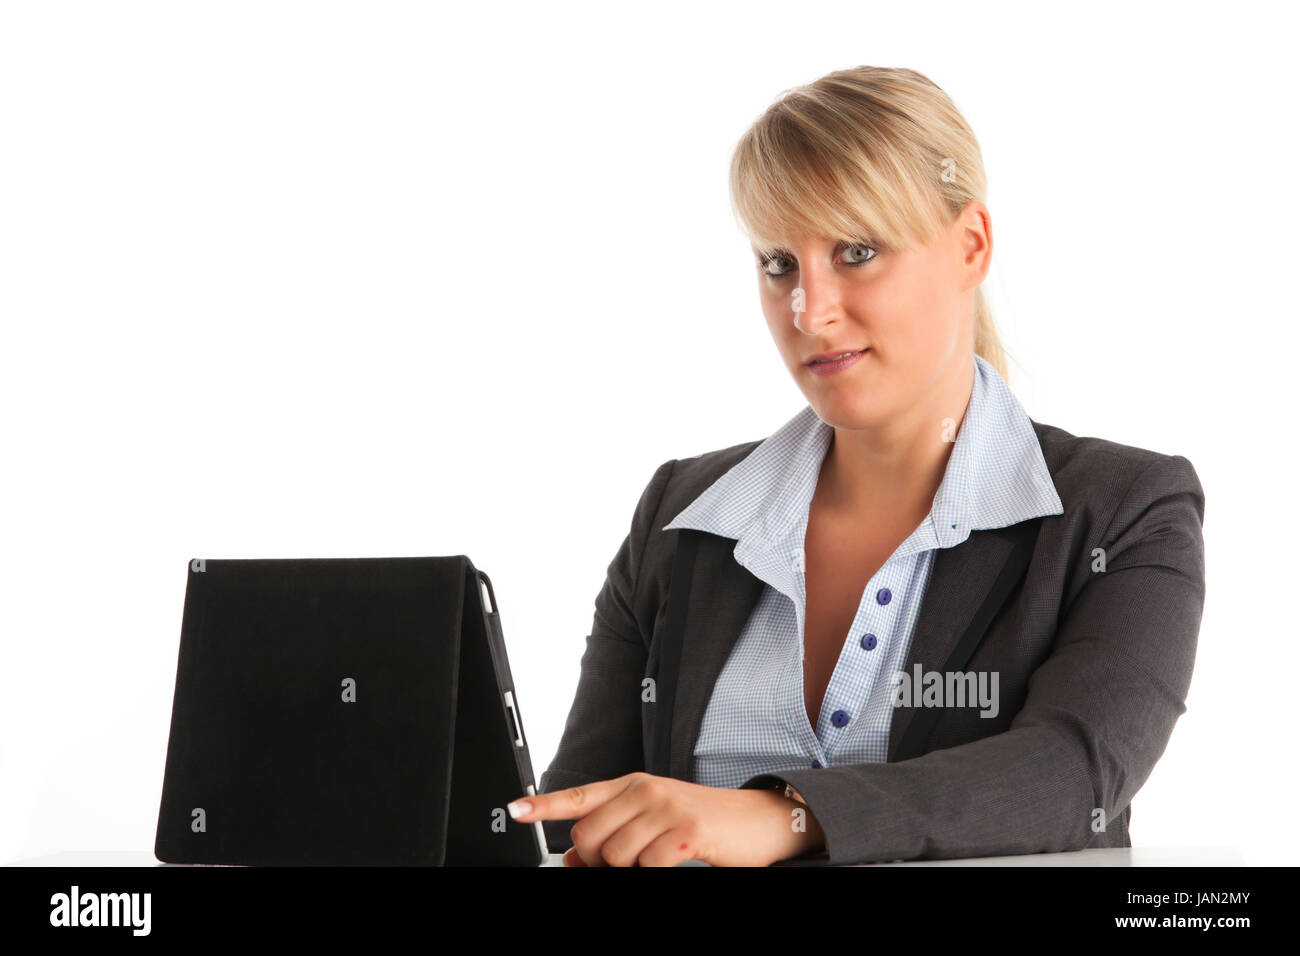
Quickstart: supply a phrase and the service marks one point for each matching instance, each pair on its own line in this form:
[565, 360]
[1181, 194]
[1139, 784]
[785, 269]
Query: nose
[817, 300]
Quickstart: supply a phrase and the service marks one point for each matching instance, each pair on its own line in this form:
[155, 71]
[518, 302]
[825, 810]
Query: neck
[901, 464]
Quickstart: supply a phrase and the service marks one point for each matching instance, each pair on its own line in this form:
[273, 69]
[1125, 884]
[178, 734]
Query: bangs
[804, 169]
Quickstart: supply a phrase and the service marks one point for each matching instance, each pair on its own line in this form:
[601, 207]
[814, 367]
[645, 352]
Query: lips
[824, 357]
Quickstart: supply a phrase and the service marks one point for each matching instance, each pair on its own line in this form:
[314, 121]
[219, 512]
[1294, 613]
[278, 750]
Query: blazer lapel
[969, 583]
[720, 600]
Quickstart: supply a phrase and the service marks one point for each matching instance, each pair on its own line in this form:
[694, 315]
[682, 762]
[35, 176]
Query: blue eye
[866, 247]
[780, 254]
[765, 261]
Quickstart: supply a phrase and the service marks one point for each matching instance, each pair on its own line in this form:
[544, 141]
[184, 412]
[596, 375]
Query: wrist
[814, 839]
[800, 831]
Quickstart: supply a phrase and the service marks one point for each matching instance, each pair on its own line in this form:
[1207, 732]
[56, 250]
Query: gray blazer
[1094, 665]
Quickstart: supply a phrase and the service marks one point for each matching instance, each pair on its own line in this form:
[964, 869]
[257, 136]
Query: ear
[975, 225]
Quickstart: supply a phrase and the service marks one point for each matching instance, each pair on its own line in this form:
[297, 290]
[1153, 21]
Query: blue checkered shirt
[756, 721]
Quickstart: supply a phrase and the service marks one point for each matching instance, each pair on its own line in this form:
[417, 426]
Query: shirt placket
[858, 666]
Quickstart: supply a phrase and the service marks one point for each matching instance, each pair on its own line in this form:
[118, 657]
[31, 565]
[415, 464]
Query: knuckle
[690, 831]
[656, 856]
[614, 855]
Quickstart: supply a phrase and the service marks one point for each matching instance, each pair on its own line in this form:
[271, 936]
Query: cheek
[780, 321]
[912, 314]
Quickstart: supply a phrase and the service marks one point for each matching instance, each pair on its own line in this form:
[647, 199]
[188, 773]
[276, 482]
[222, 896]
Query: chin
[849, 411]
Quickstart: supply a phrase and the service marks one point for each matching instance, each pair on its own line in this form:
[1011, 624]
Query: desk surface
[1120, 856]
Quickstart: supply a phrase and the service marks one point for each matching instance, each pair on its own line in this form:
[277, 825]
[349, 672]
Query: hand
[648, 820]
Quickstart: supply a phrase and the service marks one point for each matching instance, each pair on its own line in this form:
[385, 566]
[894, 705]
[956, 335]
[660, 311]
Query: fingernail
[517, 807]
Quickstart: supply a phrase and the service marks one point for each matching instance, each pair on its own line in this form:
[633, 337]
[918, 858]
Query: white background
[377, 279]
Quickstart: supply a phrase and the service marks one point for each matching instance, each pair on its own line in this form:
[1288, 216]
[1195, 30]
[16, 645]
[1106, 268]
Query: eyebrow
[839, 244]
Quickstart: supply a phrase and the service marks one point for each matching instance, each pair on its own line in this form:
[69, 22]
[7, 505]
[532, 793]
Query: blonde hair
[876, 155]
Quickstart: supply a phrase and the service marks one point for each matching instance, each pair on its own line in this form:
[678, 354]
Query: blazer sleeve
[1097, 716]
[602, 736]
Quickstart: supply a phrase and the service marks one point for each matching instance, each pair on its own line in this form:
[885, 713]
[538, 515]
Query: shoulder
[1099, 476]
[689, 477]
[640, 570]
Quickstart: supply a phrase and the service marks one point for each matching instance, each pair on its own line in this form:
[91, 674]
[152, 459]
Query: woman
[912, 622]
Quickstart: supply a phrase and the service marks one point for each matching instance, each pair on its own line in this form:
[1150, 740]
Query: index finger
[567, 804]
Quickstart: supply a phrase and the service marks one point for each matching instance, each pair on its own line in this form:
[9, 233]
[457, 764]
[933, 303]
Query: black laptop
[347, 712]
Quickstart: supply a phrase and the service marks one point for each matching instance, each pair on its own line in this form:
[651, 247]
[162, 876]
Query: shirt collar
[996, 476]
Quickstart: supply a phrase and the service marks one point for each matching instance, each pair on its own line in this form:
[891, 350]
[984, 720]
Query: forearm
[1022, 792]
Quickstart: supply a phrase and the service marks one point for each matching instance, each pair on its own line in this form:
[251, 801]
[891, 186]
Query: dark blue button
[883, 596]
[869, 641]
[816, 764]
[839, 718]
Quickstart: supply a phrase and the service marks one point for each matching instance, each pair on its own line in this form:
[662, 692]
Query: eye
[865, 248]
[765, 261]
[860, 254]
